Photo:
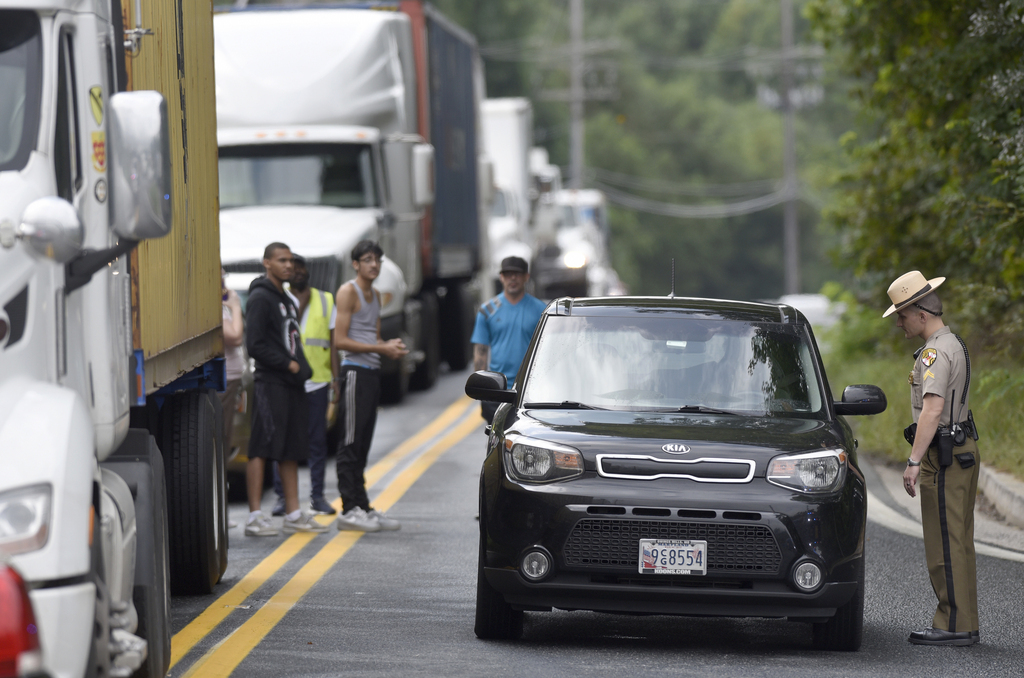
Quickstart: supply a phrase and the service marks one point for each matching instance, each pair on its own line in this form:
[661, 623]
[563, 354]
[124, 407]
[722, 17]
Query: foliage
[999, 422]
[678, 121]
[938, 184]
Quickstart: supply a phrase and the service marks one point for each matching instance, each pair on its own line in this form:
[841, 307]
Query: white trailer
[508, 136]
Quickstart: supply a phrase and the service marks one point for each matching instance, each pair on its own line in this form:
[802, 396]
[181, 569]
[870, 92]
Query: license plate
[673, 556]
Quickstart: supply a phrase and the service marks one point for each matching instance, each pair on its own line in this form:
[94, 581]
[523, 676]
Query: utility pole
[576, 93]
[790, 227]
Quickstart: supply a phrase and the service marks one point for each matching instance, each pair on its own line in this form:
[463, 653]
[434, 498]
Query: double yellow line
[223, 658]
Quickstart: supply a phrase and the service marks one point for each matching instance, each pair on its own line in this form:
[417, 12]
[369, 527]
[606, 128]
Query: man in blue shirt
[505, 325]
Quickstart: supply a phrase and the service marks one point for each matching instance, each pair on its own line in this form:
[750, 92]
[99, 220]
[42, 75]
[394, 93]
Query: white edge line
[880, 513]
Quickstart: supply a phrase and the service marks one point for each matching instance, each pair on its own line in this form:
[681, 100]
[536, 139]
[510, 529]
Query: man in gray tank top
[357, 336]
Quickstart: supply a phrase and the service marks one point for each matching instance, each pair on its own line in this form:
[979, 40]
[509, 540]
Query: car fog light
[807, 576]
[535, 565]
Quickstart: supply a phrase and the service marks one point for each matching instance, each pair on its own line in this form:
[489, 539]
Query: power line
[697, 190]
[677, 211]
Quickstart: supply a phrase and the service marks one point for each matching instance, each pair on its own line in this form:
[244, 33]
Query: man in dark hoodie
[280, 416]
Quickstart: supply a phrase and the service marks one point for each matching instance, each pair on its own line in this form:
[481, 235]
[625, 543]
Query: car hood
[312, 231]
[677, 436]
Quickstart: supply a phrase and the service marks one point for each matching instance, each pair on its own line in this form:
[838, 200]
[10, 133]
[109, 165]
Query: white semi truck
[111, 468]
[345, 123]
[508, 136]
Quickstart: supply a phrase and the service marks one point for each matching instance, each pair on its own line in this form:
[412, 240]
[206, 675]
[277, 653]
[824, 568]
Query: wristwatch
[911, 462]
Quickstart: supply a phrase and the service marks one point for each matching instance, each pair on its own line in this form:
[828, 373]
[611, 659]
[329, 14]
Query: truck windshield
[339, 175]
[499, 208]
[20, 86]
[666, 364]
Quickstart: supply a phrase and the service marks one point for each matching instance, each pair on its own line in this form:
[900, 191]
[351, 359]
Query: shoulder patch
[928, 357]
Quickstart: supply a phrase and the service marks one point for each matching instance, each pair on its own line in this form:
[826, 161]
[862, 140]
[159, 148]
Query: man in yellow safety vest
[318, 314]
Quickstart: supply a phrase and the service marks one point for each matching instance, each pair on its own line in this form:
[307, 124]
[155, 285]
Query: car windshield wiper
[564, 405]
[705, 410]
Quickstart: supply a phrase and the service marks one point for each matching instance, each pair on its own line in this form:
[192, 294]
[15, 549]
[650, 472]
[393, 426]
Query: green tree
[936, 181]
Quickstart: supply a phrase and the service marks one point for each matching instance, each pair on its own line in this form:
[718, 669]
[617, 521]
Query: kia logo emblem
[675, 448]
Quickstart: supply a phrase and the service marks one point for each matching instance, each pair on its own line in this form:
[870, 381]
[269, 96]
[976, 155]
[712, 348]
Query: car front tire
[845, 630]
[495, 619]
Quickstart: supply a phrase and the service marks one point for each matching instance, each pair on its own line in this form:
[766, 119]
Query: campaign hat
[908, 288]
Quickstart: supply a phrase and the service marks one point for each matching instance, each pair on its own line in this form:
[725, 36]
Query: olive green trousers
[947, 514]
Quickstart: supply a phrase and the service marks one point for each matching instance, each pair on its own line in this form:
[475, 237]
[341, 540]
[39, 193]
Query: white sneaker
[304, 523]
[358, 520]
[386, 524]
[260, 526]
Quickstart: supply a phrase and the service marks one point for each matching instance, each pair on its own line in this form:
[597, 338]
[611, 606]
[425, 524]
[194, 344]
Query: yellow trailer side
[176, 309]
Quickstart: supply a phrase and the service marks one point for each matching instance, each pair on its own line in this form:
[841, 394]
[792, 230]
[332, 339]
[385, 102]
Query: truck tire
[456, 329]
[189, 441]
[426, 372]
[222, 482]
[139, 462]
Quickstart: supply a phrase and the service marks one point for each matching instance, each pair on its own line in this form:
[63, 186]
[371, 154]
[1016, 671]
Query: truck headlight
[574, 259]
[539, 461]
[25, 518]
[392, 288]
[816, 472]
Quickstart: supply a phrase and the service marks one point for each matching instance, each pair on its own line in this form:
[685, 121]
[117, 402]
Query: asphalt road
[402, 603]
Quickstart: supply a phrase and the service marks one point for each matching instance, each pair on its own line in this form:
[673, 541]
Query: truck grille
[604, 542]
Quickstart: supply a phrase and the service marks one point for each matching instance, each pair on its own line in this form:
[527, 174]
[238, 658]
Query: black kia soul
[673, 456]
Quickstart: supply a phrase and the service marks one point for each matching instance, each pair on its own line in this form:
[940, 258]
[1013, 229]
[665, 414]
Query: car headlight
[25, 519]
[818, 472]
[539, 461]
[574, 259]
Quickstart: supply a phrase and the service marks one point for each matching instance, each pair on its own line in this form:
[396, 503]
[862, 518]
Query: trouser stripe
[350, 407]
[946, 555]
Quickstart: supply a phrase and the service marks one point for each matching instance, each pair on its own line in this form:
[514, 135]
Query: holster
[910, 433]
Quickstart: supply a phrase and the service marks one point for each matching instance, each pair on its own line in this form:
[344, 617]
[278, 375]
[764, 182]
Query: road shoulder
[885, 482]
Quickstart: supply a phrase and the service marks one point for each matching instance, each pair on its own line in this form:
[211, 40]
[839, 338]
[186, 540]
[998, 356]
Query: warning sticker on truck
[99, 151]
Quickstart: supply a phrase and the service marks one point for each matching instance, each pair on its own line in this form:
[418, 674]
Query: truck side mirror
[51, 228]
[140, 165]
[423, 175]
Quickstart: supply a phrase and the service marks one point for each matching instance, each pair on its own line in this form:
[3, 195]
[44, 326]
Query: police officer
[944, 458]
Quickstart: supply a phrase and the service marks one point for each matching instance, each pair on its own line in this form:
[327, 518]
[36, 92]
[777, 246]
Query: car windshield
[339, 175]
[20, 86]
[675, 364]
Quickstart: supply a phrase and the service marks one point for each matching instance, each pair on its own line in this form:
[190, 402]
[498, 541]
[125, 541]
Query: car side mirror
[484, 385]
[140, 165]
[862, 399]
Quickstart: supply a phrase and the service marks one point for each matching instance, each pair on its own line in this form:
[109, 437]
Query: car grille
[604, 542]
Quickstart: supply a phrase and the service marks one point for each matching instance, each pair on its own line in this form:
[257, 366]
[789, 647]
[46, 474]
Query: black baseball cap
[298, 259]
[514, 265]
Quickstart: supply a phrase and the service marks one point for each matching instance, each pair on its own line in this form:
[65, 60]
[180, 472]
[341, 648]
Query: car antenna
[672, 294]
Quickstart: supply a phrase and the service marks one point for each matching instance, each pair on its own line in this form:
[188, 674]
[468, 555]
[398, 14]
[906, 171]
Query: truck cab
[85, 189]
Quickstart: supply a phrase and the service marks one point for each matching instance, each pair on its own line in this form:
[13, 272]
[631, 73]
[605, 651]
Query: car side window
[67, 158]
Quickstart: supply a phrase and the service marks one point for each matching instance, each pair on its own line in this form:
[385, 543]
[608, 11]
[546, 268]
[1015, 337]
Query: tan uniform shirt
[940, 367]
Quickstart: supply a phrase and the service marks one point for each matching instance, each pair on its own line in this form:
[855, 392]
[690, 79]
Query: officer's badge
[928, 357]
[910, 378]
